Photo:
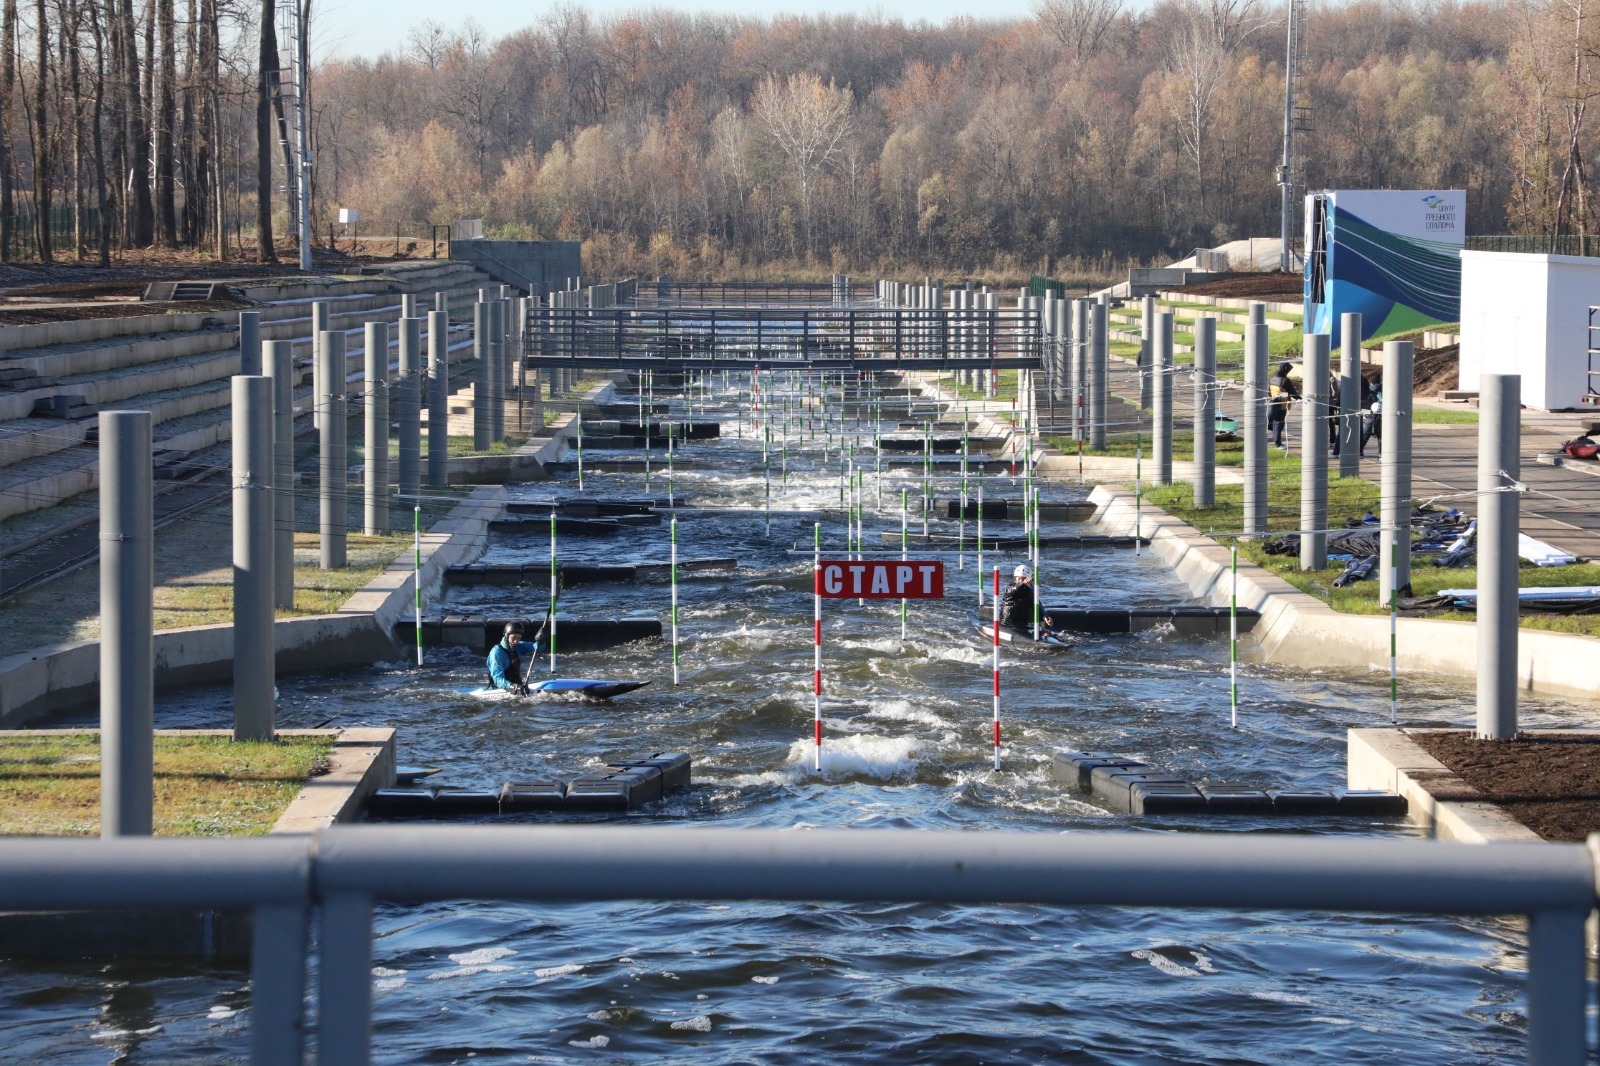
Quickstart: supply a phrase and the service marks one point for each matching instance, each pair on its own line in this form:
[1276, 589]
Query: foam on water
[860, 755]
[701, 1024]
[1173, 968]
[547, 972]
[479, 957]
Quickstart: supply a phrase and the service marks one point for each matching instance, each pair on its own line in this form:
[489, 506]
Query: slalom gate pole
[766, 475]
[552, 592]
[580, 448]
[1138, 488]
[1233, 635]
[997, 668]
[816, 641]
[671, 473]
[1038, 573]
[980, 539]
[644, 424]
[674, 599]
[416, 580]
[1081, 434]
[1394, 627]
[904, 505]
[961, 537]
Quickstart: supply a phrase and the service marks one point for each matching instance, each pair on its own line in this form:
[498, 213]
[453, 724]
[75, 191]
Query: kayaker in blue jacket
[505, 659]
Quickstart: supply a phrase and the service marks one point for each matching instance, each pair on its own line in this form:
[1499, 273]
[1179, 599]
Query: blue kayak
[587, 687]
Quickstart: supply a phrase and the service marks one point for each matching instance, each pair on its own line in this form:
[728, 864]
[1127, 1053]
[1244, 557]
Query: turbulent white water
[907, 744]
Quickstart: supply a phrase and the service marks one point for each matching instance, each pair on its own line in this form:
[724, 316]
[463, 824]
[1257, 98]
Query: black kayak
[1048, 639]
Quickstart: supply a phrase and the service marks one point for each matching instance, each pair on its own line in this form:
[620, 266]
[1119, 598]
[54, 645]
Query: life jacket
[513, 667]
[1016, 607]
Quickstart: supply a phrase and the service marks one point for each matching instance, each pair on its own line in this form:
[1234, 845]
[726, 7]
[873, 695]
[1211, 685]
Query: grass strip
[204, 785]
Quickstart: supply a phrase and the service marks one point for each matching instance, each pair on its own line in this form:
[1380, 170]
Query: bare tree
[1079, 26]
[266, 72]
[808, 121]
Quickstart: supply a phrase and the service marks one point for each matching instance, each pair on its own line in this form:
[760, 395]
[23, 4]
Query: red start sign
[911, 579]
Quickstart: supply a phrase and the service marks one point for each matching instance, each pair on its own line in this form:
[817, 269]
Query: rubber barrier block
[1286, 801]
[451, 802]
[1089, 619]
[675, 768]
[1161, 797]
[518, 796]
[991, 509]
[1112, 784]
[1196, 621]
[604, 793]
[1074, 766]
[401, 803]
[646, 782]
[1377, 804]
[571, 574]
[1236, 799]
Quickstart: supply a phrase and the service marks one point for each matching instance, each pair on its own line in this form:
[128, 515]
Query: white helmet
[1023, 572]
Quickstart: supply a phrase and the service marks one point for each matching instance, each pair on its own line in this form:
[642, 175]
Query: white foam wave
[859, 755]
[903, 711]
[387, 984]
[480, 957]
[1282, 997]
[467, 971]
[384, 971]
[557, 971]
[701, 1024]
[600, 1040]
[220, 1013]
[1173, 968]
[766, 980]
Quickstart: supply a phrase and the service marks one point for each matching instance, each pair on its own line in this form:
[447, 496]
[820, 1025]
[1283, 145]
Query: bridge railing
[728, 336]
[337, 875]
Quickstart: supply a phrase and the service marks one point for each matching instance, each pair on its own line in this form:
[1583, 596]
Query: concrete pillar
[1147, 314]
[253, 516]
[375, 451]
[1254, 422]
[1314, 452]
[1099, 356]
[441, 304]
[1205, 411]
[408, 305]
[408, 397]
[1160, 378]
[1499, 465]
[496, 350]
[249, 342]
[438, 398]
[1350, 394]
[482, 431]
[319, 326]
[280, 368]
[1062, 361]
[127, 624]
[333, 465]
[1395, 477]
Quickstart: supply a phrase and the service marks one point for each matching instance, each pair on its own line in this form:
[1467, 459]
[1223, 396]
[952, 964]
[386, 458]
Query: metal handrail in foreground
[344, 871]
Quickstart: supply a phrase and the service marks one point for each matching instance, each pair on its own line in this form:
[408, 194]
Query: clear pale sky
[372, 27]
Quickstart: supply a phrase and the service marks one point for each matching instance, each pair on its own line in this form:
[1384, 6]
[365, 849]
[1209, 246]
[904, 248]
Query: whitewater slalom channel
[908, 745]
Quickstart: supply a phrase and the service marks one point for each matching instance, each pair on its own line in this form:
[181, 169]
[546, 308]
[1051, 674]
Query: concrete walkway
[1561, 508]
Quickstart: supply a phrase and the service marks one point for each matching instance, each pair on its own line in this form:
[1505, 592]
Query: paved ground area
[1562, 506]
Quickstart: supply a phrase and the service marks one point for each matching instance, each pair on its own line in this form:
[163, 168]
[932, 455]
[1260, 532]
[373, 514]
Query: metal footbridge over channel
[865, 338]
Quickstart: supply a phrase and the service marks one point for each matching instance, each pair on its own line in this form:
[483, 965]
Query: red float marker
[997, 668]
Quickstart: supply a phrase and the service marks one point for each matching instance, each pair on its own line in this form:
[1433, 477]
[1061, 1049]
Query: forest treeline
[711, 143]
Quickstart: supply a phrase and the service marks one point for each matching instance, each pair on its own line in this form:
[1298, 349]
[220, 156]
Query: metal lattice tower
[1296, 121]
[294, 129]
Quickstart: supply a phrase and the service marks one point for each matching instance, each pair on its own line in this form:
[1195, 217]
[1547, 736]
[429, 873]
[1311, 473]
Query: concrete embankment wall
[61, 677]
[1298, 629]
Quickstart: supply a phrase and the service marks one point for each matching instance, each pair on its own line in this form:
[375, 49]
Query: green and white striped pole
[552, 592]
[1233, 635]
[674, 599]
[416, 536]
[580, 448]
[1138, 488]
[1394, 628]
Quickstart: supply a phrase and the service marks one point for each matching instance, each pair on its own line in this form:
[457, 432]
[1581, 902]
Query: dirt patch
[1551, 784]
[1272, 286]
[1433, 370]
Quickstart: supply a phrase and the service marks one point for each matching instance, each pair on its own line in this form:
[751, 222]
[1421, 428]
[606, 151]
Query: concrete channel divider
[60, 677]
[1445, 806]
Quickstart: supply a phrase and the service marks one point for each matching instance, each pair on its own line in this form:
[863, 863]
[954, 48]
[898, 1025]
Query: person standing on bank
[505, 659]
[1283, 395]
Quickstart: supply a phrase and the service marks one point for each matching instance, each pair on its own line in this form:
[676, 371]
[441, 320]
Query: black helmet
[515, 627]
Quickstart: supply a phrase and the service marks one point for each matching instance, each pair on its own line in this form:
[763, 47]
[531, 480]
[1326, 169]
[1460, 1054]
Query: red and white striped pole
[997, 668]
[816, 641]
